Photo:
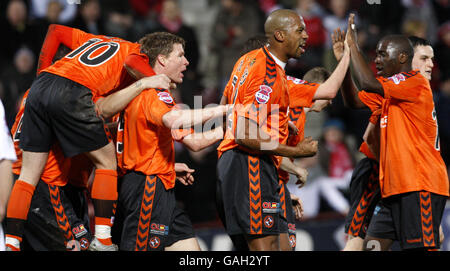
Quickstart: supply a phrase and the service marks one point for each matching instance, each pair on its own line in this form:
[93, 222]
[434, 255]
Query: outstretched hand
[338, 40]
[350, 37]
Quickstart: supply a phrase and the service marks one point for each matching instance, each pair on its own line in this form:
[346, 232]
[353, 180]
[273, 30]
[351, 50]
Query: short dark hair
[403, 44]
[316, 75]
[159, 43]
[416, 41]
[254, 43]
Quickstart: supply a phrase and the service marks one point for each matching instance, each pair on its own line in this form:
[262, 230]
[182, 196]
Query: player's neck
[406, 68]
[279, 59]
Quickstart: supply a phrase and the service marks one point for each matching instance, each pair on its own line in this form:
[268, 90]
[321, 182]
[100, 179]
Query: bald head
[280, 19]
[286, 34]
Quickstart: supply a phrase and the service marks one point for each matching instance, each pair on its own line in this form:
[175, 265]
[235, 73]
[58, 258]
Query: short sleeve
[371, 100]
[157, 103]
[301, 92]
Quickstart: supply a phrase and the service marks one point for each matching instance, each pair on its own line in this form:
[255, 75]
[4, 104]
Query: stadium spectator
[442, 50]
[19, 31]
[170, 20]
[39, 9]
[119, 19]
[235, 22]
[15, 80]
[89, 18]
[53, 11]
[420, 13]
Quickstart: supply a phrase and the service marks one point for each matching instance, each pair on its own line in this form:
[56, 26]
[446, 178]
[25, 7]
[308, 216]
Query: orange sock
[17, 212]
[104, 186]
[20, 200]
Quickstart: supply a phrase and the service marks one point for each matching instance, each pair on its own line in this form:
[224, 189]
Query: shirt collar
[278, 61]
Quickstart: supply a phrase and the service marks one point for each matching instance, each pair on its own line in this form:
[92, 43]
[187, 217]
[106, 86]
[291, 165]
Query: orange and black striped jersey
[410, 158]
[258, 90]
[97, 62]
[144, 143]
[58, 170]
[301, 95]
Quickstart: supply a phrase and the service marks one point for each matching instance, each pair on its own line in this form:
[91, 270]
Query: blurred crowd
[215, 31]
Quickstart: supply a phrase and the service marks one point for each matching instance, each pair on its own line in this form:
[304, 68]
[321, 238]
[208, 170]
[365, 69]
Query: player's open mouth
[379, 70]
[302, 47]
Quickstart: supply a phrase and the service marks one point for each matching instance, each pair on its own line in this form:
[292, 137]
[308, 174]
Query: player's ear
[161, 60]
[402, 58]
[279, 35]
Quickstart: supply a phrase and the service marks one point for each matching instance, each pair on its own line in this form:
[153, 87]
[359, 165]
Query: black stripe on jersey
[271, 70]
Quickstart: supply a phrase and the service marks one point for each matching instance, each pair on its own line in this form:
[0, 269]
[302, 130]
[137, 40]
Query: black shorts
[58, 219]
[411, 218]
[60, 109]
[147, 217]
[364, 195]
[250, 193]
[288, 213]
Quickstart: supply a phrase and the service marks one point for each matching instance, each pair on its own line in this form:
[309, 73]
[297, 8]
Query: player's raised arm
[330, 87]
[363, 74]
[137, 66]
[56, 35]
[349, 91]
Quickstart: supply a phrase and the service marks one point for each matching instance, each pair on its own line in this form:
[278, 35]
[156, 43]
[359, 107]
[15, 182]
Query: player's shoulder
[164, 96]
[258, 57]
[294, 81]
[411, 78]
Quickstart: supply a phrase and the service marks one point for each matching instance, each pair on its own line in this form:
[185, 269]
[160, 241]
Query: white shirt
[6, 144]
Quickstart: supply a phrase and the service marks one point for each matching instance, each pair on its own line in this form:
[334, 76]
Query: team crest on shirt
[154, 242]
[165, 97]
[397, 78]
[268, 221]
[263, 94]
[295, 80]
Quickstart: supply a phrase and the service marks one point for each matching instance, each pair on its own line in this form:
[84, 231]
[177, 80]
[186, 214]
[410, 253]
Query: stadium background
[215, 31]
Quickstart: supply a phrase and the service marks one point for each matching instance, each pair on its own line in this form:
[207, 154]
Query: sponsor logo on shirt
[165, 97]
[295, 80]
[263, 95]
[397, 78]
[159, 229]
[79, 231]
[271, 207]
